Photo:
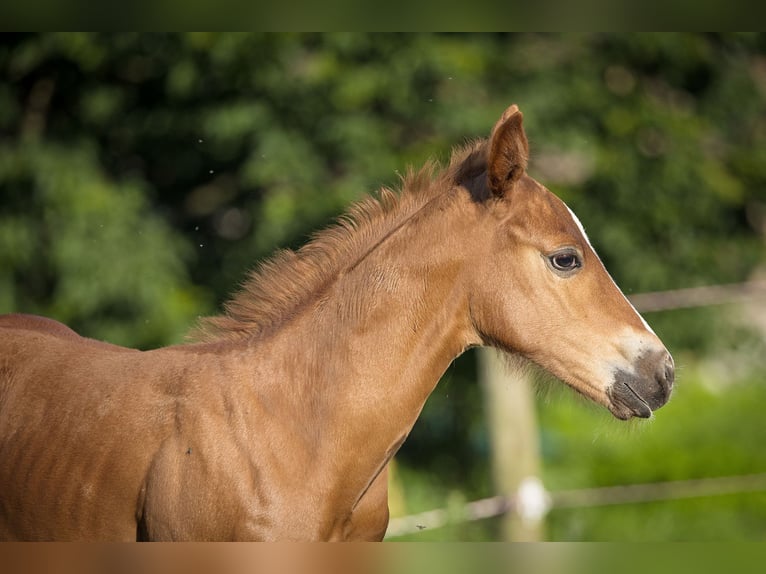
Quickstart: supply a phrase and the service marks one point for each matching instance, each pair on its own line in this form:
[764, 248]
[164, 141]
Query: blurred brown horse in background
[280, 424]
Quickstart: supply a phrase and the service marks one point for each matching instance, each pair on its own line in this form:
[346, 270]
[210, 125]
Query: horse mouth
[625, 402]
[631, 396]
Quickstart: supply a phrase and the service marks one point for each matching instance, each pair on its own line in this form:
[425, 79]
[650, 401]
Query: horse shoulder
[57, 387]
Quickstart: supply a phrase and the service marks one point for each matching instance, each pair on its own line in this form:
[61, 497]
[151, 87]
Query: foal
[281, 423]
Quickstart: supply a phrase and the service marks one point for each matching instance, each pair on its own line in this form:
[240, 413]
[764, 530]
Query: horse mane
[282, 285]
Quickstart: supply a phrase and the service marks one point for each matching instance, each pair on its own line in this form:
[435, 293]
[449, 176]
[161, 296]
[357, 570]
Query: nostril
[669, 374]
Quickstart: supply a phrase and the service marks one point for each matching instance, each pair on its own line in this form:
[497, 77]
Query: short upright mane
[288, 281]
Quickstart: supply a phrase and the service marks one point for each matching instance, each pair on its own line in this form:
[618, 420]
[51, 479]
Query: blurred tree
[242, 142]
[76, 246]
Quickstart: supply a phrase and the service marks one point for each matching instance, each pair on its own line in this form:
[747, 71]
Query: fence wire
[698, 296]
[581, 498]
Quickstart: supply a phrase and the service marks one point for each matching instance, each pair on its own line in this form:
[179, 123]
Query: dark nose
[655, 381]
[646, 389]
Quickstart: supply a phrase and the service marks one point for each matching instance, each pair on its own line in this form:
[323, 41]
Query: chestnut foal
[280, 424]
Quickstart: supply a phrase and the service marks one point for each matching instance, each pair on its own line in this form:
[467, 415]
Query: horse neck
[378, 341]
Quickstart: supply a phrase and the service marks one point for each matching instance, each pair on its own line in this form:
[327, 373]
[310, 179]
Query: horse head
[539, 289]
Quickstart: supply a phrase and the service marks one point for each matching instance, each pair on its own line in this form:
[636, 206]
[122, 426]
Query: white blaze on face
[579, 226]
[585, 236]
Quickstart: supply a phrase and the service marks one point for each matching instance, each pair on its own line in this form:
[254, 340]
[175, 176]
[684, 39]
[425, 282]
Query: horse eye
[565, 261]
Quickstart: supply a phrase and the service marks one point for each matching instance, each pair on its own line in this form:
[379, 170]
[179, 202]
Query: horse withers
[280, 421]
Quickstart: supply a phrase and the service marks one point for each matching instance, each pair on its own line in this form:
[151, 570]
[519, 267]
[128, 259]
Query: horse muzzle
[643, 390]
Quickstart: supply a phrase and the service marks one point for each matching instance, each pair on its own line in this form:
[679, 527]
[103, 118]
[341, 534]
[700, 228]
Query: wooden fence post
[510, 408]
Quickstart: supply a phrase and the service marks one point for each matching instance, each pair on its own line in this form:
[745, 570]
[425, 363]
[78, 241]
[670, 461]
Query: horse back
[35, 323]
[51, 327]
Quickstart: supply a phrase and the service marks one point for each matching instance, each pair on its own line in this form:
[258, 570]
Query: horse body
[173, 444]
[280, 425]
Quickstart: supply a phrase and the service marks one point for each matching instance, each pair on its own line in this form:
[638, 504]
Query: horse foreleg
[369, 519]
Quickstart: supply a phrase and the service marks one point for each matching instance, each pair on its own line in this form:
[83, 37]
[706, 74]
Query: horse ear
[508, 152]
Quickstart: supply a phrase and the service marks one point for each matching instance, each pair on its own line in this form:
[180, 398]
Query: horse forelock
[287, 282]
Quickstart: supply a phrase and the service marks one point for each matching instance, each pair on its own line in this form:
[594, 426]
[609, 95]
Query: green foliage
[78, 247]
[244, 142]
